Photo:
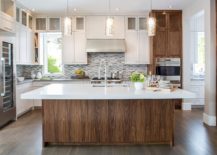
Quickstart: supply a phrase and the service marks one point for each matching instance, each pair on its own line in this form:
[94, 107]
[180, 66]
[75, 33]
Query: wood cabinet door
[174, 44]
[68, 49]
[160, 44]
[162, 21]
[80, 51]
[174, 34]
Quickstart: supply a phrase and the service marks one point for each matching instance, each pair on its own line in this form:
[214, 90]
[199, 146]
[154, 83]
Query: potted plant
[138, 79]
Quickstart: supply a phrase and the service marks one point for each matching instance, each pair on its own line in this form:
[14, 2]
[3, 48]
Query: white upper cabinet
[74, 49]
[131, 24]
[47, 24]
[68, 49]
[144, 48]
[137, 41]
[80, 48]
[96, 27]
[131, 56]
[74, 46]
[7, 7]
[40, 24]
[7, 15]
[54, 24]
[24, 45]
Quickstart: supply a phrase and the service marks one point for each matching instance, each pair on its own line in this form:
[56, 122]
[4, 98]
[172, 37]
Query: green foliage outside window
[52, 67]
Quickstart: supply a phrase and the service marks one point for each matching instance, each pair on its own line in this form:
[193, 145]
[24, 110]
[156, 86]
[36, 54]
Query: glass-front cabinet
[24, 18]
[54, 24]
[8, 7]
[41, 24]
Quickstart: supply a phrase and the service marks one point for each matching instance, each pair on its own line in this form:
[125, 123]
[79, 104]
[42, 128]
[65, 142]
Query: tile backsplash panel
[115, 63]
[26, 70]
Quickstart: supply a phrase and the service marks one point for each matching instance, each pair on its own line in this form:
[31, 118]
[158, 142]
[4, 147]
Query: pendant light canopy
[151, 24]
[67, 22]
[109, 22]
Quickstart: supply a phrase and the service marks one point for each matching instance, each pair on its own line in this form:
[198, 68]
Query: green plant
[52, 68]
[137, 77]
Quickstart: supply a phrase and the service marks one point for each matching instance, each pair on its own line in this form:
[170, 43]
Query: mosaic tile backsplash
[115, 63]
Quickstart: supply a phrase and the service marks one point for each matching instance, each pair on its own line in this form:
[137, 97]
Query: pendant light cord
[151, 4]
[109, 6]
[67, 9]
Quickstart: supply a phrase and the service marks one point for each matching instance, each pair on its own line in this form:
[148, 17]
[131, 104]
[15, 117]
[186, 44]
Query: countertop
[88, 92]
[53, 80]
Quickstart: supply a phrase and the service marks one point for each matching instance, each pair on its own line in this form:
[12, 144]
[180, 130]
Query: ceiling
[100, 6]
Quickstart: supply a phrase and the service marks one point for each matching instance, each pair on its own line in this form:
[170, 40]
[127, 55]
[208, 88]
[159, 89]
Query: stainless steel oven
[169, 68]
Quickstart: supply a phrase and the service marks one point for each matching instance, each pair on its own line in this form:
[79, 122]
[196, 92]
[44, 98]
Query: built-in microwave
[169, 68]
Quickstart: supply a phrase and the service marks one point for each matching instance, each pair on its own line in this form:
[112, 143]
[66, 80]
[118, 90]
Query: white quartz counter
[88, 92]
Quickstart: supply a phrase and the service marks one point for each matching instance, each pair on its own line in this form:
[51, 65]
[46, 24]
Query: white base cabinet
[22, 105]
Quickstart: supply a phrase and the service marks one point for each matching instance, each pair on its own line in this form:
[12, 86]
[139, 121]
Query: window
[198, 45]
[51, 45]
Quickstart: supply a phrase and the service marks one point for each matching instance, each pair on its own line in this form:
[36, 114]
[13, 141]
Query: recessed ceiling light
[117, 9]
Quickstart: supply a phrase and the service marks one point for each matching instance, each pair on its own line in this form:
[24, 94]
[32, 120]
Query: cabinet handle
[3, 72]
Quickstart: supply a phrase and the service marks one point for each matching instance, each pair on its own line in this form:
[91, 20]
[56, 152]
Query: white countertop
[87, 91]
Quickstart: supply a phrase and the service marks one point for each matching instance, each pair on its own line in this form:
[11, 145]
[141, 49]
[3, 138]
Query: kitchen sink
[111, 85]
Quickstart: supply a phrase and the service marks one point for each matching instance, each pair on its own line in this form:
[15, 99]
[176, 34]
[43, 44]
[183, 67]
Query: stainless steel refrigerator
[7, 99]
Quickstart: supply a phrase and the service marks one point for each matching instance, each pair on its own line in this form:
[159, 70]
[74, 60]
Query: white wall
[210, 79]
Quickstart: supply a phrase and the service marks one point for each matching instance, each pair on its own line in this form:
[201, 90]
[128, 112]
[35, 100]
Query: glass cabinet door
[41, 24]
[54, 24]
[24, 18]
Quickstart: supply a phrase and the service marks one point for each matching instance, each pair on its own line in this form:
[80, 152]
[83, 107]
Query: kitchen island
[80, 114]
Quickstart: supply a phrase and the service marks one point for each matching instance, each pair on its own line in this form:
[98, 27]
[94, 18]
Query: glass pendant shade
[67, 26]
[151, 25]
[109, 26]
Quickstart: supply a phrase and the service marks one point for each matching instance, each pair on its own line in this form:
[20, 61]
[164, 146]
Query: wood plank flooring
[192, 137]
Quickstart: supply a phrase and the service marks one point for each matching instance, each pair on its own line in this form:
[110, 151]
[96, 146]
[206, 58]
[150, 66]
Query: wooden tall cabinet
[168, 39]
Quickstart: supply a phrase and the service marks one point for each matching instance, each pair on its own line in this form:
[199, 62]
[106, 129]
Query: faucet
[103, 61]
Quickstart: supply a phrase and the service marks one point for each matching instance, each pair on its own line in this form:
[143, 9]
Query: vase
[139, 85]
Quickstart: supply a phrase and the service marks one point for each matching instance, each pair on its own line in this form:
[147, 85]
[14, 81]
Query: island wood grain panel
[108, 121]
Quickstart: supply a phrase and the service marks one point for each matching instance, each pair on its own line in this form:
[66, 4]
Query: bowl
[20, 79]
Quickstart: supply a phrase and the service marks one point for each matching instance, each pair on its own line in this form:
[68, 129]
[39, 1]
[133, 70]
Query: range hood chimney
[105, 45]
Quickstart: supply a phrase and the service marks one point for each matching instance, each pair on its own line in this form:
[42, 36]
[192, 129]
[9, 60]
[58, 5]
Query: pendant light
[109, 22]
[151, 23]
[67, 22]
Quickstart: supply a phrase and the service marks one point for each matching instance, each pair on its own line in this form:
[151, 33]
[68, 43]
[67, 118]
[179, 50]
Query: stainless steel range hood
[105, 45]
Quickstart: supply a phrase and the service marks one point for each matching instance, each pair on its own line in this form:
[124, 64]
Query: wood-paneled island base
[108, 122]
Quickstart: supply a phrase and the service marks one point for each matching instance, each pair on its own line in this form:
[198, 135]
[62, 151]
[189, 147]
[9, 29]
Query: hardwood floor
[192, 137]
